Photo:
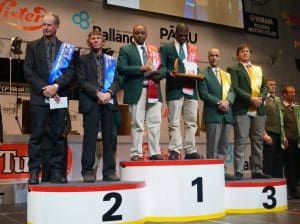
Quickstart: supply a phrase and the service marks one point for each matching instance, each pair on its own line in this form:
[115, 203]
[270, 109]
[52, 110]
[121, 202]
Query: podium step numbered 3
[155, 191]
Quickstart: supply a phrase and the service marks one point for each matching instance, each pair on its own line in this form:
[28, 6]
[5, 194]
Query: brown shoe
[89, 178]
[156, 157]
[135, 158]
[113, 177]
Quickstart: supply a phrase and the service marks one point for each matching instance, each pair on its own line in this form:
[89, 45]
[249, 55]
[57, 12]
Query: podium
[155, 191]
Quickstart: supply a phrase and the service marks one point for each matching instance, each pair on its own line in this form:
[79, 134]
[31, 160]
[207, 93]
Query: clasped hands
[149, 74]
[223, 105]
[103, 98]
[50, 91]
[256, 101]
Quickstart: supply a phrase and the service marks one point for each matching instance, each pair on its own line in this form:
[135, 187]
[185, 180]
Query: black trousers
[41, 118]
[292, 166]
[273, 157]
[91, 126]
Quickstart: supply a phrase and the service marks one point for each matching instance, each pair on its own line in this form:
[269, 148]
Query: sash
[152, 90]
[296, 110]
[281, 120]
[109, 67]
[226, 83]
[62, 61]
[255, 75]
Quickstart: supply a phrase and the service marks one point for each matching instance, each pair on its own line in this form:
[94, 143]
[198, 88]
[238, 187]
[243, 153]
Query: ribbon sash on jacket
[192, 56]
[109, 71]
[62, 61]
[152, 90]
[255, 75]
[226, 83]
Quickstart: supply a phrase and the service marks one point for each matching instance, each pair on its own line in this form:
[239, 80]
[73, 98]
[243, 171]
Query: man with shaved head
[138, 66]
[217, 94]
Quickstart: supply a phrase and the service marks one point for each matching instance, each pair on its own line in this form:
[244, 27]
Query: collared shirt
[140, 50]
[184, 46]
[216, 71]
[246, 65]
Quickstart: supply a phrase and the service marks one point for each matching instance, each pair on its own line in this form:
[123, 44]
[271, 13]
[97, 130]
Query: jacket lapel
[244, 73]
[92, 63]
[136, 53]
[41, 49]
[173, 50]
[213, 76]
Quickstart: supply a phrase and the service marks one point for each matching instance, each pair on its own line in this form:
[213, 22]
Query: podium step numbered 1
[155, 191]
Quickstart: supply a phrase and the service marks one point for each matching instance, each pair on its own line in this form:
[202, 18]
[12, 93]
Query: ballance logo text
[21, 17]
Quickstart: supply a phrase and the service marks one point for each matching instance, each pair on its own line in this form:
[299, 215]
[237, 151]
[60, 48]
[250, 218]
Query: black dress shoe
[229, 177]
[156, 157]
[33, 178]
[89, 178]
[173, 155]
[260, 176]
[112, 177]
[194, 155]
[58, 179]
[238, 176]
[135, 158]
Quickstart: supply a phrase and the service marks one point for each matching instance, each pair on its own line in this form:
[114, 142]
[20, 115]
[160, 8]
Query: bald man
[138, 65]
[217, 94]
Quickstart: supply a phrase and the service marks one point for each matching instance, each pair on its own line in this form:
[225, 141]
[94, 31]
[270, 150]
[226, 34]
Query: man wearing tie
[182, 96]
[249, 112]
[217, 94]
[138, 65]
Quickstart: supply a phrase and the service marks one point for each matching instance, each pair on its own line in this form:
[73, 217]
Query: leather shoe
[33, 178]
[260, 176]
[89, 178]
[156, 157]
[113, 177]
[238, 176]
[135, 158]
[228, 177]
[58, 179]
[194, 155]
[173, 155]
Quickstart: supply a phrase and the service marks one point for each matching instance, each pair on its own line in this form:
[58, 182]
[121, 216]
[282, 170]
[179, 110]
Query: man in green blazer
[217, 94]
[181, 94]
[249, 112]
[138, 65]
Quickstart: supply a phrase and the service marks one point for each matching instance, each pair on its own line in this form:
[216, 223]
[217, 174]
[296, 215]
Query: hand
[56, 98]
[103, 98]
[286, 143]
[49, 90]
[267, 139]
[224, 105]
[256, 101]
[145, 68]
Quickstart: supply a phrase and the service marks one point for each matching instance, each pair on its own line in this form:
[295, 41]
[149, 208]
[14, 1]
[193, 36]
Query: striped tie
[49, 55]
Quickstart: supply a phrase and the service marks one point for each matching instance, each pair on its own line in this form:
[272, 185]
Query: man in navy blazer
[37, 66]
[97, 102]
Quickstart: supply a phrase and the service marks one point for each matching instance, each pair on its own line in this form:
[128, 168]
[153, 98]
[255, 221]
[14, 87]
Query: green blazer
[210, 91]
[174, 85]
[242, 87]
[129, 68]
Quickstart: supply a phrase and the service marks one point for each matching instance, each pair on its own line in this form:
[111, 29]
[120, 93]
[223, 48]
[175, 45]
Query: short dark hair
[285, 88]
[241, 47]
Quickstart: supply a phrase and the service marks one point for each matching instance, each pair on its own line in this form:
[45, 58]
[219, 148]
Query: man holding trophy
[139, 68]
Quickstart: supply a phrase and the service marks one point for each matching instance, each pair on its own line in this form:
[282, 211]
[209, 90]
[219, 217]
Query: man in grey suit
[249, 112]
[138, 65]
[98, 83]
[38, 63]
[217, 94]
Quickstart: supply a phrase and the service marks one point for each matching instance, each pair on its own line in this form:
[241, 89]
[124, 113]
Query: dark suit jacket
[174, 85]
[37, 73]
[242, 87]
[87, 77]
[210, 91]
[129, 68]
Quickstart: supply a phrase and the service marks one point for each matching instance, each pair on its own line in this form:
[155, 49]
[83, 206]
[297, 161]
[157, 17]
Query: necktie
[218, 76]
[49, 54]
[100, 81]
[250, 71]
[181, 52]
[144, 54]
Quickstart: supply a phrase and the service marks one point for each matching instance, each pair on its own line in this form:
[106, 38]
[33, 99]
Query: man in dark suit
[181, 94]
[249, 112]
[98, 85]
[138, 65]
[39, 60]
[217, 94]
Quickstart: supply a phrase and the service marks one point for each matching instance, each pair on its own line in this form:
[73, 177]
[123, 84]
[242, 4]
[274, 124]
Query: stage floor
[16, 214]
